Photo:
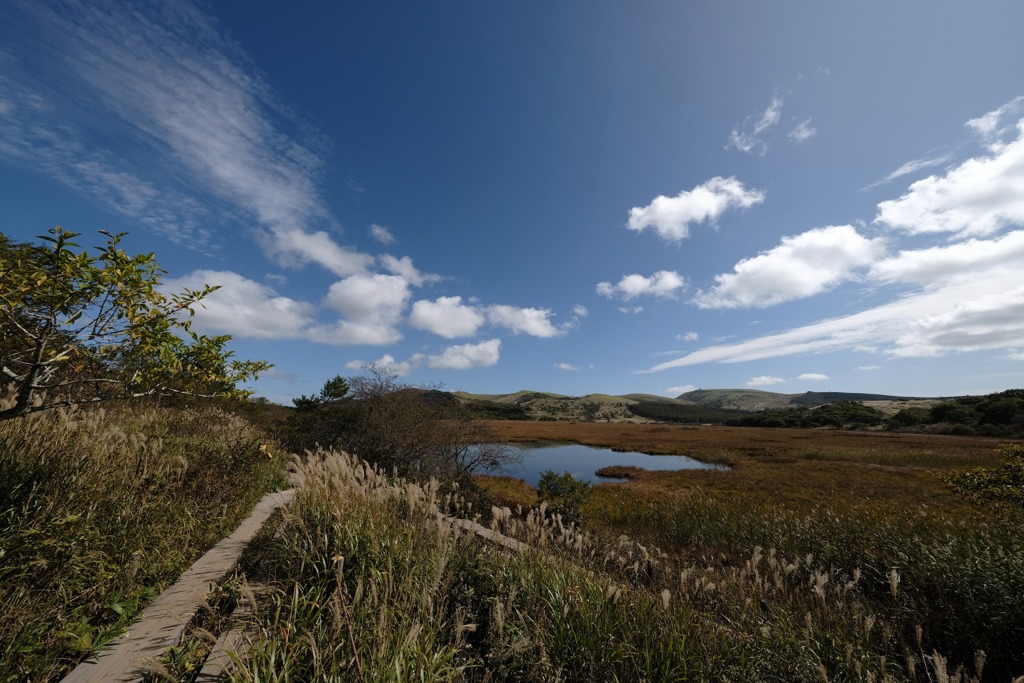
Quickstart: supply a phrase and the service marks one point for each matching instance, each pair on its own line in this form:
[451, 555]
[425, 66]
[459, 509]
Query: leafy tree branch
[79, 327]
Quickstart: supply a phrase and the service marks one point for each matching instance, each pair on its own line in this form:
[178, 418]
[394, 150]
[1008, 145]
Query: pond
[582, 462]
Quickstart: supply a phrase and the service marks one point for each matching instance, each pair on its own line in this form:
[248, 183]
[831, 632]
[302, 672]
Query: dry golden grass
[792, 468]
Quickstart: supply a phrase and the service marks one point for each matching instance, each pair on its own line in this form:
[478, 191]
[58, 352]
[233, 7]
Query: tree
[79, 327]
[419, 432]
[334, 390]
[565, 494]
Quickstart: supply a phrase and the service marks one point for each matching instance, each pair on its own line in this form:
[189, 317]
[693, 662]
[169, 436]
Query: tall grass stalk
[101, 509]
[428, 603]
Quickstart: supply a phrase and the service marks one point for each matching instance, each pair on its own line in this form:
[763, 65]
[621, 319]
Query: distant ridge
[753, 399]
[701, 405]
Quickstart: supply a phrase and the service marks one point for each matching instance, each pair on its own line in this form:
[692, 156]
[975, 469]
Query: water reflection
[583, 461]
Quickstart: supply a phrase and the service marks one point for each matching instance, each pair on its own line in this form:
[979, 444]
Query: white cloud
[801, 266]
[940, 264]
[371, 306]
[979, 197]
[868, 368]
[748, 137]
[764, 381]
[802, 131]
[1016, 355]
[386, 362]
[568, 367]
[532, 321]
[676, 391]
[663, 283]
[634, 310]
[980, 310]
[688, 336]
[996, 124]
[466, 356]
[404, 268]
[580, 311]
[813, 377]
[671, 217]
[164, 79]
[243, 308]
[447, 316]
[382, 235]
[911, 167]
[295, 247]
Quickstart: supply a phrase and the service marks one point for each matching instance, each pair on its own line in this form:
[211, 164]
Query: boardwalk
[163, 622]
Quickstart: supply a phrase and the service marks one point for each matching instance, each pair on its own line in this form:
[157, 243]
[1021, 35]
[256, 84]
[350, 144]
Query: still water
[583, 461]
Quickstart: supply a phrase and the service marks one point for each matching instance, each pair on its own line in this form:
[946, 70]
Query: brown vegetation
[791, 468]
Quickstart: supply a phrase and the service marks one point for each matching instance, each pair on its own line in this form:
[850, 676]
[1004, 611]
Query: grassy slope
[103, 509]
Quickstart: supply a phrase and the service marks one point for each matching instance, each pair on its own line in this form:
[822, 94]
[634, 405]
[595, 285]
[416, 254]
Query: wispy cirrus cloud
[802, 132]
[911, 167]
[111, 86]
[749, 136]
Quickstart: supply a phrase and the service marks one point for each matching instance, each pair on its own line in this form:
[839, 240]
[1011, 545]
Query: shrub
[564, 494]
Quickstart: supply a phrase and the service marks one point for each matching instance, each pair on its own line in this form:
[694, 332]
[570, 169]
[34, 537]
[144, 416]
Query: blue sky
[573, 197]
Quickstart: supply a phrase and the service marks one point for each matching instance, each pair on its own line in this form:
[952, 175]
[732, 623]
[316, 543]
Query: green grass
[101, 510]
[370, 585]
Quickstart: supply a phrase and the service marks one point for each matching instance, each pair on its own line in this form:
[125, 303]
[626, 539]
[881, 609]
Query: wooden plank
[163, 622]
[233, 639]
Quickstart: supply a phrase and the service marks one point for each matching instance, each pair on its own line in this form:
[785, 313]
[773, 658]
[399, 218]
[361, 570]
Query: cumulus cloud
[447, 317]
[966, 296]
[977, 198]
[382, 234]
[580, 311]
[688, 336]
[243, 308]
[568, 367]
[466, 356]
[801, 266]
[671, 217]
[404, 268]
[371, 306]
[764, 381]
[677, 391]
[532, 321]
[813, 377]
[802, 132]
[748, 136]
[386, 362]
[663, 283]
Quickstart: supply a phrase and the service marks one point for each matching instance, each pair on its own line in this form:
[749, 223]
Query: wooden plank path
[164, 621]
[233, 640]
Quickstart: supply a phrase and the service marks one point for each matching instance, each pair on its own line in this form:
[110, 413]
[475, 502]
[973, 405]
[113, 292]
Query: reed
[103, 508]
[736, 594]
